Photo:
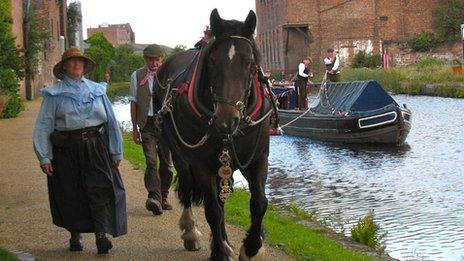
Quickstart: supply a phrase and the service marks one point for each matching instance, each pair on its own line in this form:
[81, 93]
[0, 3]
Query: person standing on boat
[157, 180]
[332, 64]
[301, 82]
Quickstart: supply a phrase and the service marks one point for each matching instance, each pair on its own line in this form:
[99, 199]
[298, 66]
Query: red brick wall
[345, 25]
[116, 35]
[17, 30]
[53, 17]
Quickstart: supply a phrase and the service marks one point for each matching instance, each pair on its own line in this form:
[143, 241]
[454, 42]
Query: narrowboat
[349, 112]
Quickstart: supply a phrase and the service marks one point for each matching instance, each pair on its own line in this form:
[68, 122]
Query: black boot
[103, 243]
[75, 243]
[154, 206]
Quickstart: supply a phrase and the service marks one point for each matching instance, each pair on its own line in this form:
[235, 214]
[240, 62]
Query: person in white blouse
[332, 64]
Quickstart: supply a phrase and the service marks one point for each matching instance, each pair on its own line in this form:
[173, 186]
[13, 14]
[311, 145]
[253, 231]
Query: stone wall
[402, 55]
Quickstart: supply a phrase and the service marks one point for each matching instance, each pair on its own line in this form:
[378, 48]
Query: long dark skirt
[86, 191]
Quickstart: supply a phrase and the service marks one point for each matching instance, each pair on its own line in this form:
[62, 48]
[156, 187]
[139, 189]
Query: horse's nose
[226, 126]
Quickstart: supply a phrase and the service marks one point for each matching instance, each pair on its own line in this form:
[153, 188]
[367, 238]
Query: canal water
[416, 190]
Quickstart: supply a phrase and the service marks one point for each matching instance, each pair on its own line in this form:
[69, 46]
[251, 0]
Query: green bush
[367, 60]
[448, 18]
[427, 62]
[423, 42]
[366, 232]
[11, 65]
[13, 107]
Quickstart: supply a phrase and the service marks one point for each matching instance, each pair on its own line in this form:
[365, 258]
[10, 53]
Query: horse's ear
[250, 24]
[215, 22]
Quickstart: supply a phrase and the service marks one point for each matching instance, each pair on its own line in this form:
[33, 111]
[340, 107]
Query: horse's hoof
[192, 245]
[258, 257]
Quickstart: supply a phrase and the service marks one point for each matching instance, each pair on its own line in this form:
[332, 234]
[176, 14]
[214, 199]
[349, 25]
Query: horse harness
[255, 79]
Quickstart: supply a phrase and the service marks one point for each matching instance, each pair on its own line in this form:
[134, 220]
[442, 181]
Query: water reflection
[415, 190]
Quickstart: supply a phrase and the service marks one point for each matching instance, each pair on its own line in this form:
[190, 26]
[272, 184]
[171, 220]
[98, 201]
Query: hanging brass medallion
[225, 172]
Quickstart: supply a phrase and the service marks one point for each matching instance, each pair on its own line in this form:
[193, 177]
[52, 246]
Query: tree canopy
[124, 62]
[101, 51]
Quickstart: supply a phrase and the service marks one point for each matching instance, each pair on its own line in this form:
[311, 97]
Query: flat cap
[153, 50]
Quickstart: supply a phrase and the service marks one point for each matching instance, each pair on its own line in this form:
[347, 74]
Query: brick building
[116, 34]
[289, 30]
[52, 16]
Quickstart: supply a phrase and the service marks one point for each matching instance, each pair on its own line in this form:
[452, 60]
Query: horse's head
[231, 64]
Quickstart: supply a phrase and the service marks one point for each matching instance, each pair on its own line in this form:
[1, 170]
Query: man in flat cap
[157, 180]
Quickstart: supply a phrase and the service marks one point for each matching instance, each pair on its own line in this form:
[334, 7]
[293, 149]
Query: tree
[449, 16]
[101, 51]
[178, 48]
[74, 19]
[11, 66]
[124, 62]
[35, 37]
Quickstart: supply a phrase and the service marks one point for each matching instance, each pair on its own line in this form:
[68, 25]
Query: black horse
[214, 113]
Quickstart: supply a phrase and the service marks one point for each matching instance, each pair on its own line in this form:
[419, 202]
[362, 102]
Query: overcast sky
[167, 22]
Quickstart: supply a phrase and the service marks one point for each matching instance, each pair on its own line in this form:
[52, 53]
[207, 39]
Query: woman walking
[79, 145]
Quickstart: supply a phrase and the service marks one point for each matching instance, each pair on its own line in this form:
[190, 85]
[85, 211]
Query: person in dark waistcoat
[301, 82]
[332, 64]
[157, 180]
[79, 145]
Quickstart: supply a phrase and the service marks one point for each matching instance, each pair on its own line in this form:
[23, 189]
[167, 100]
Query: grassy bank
[427, 77]
[6, 256]
[283, 232]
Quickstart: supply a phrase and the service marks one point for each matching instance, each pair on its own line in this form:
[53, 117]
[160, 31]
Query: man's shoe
[166, 205]
[75, 243]
[103, 243]
[154, 206]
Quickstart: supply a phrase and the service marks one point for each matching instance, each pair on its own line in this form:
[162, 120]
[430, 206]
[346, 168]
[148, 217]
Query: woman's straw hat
[58, 69]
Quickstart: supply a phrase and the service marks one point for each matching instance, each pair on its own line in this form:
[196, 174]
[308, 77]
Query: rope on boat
[292, 121]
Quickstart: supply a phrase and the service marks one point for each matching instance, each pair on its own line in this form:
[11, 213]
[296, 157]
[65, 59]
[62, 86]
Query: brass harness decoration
[225, 173]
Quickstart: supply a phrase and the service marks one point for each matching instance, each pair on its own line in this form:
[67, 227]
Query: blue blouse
[71, 105]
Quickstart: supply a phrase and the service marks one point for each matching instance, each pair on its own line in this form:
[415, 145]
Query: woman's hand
[47, 169]
[136, 136]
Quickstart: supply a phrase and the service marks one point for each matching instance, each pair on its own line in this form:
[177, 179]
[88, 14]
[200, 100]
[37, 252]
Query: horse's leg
[191, 235]
[214, 213]
[256, 174]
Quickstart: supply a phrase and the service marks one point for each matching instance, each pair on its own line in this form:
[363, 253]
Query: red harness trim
[259, 101]
[191, 89]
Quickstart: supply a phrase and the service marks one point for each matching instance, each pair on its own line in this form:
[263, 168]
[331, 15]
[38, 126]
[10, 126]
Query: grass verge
[7, 256]
[282, 232]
